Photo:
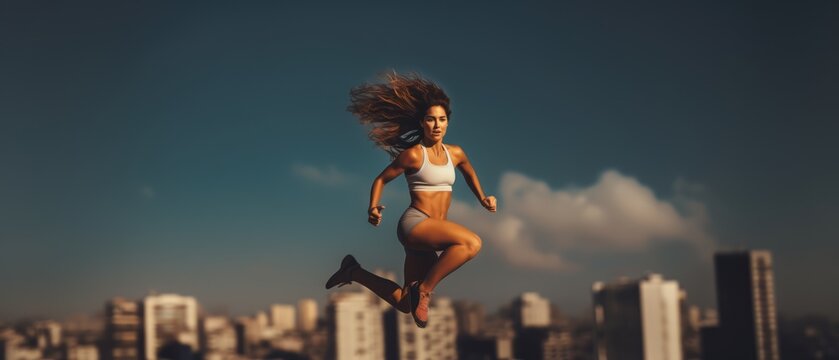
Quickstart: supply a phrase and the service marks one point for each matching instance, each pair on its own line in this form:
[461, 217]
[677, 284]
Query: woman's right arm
[406, 160]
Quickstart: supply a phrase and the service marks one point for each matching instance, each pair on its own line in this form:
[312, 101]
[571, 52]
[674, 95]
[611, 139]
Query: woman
[409, 117]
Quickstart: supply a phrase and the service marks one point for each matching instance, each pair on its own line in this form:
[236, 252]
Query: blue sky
[205, 149]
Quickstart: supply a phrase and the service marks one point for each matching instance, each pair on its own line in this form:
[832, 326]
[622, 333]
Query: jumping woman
[408, 117]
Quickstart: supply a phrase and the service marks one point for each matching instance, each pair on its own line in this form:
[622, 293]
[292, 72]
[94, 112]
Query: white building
[355, 327]
[219, 338]
[168, 318]
[531, 310]
[637, 319]
[307, 315]
[283, 318]
[404, 340]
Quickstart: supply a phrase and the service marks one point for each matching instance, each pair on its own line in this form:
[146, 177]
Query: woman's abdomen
[435, 204]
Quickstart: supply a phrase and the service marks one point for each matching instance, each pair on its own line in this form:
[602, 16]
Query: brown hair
[393, 109]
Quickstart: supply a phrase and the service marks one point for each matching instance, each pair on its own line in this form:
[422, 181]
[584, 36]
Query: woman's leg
[417, 264]
[458, 243]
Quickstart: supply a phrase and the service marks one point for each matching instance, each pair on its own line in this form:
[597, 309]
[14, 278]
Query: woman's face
[434, 123]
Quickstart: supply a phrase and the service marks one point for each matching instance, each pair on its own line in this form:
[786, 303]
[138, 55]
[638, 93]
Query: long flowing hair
[393, 109]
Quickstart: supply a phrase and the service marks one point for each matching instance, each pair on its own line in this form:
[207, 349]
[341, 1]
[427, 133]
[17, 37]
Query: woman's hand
[489, 203]
[375, 215]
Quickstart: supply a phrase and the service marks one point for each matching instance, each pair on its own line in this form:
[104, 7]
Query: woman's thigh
[417, 264]
[434, 234]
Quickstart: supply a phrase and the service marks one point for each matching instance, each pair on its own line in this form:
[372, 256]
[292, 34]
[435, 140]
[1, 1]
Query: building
[486, 346]
[746, 308]
[13, 347]
[543, 343]
[691, 319]
[122, 330]
[405, 340]
[48, 334]
[355, 327]
[637, 319]
[169, 320]
[307, 315]
[218, 338]
[248, 335]
[283, 318]
[531, 310]
[470, 317]
[81, 352]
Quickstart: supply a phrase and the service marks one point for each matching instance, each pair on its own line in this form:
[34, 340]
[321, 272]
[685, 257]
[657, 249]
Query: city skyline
[650, 317]
[205, 148]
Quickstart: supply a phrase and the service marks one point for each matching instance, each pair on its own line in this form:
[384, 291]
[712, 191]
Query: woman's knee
[473, 243]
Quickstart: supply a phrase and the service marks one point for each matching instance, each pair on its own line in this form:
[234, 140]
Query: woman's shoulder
[455, 150]
[410, 156]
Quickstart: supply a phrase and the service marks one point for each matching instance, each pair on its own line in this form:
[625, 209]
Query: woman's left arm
[471, 177]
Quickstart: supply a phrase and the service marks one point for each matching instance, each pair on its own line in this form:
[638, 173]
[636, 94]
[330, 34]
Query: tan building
[122, 330]
[169, 318]
[218, 338]
[283, 318]
[82, 352]
[307, 315]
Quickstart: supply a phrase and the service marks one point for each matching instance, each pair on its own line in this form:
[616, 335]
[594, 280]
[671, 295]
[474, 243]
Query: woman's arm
[472, 178]
[406, 160]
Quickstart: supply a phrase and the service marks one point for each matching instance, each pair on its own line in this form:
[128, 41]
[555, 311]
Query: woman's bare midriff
[435, 204]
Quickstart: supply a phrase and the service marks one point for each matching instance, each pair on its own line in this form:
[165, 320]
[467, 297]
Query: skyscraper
[283, 318]
[438, 341]
[307, 314]
[470, 317]
[637, 319]
[531, 310]
[122, 330]
[355, 327]
[746, 305]
[169, 319]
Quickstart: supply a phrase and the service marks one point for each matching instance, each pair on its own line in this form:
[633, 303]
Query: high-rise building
[355, 327]
[169, 320]
[470, 317]
[48, 334]
[248, 335]
[307, 315]
[531, 310]
[405, 340]
[637, 319]
[746, 307]
[218, 340]
[122, 330]
[283, 318]
[543, 343]
[690, 316]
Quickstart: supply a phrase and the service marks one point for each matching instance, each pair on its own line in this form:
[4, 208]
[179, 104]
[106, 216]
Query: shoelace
[424, 295]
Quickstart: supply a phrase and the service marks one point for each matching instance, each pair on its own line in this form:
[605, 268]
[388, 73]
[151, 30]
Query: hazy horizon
[205, 149]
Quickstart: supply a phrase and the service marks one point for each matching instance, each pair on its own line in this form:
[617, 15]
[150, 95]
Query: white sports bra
[432, 177]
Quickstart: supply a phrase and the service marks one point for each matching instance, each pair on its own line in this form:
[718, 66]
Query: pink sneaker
[419, 304]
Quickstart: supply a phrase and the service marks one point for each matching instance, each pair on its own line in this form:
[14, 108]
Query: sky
[205, 148]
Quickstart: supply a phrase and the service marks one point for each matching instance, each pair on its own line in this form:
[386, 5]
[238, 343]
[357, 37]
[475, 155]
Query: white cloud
[535, 224]
[329, 175]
